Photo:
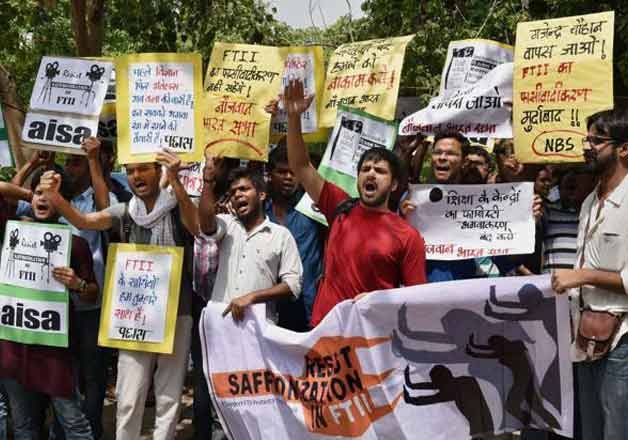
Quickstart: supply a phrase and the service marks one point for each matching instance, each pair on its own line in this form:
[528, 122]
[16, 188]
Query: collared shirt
[306, 233]
[255, 260]
[85, 203]
[603, 239]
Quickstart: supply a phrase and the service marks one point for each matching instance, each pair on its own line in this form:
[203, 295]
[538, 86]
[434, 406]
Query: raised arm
[14, 192]
[100, 220]
[189, 211]
[91, 146]
[298, 157]
[207, 203]
[38, 159]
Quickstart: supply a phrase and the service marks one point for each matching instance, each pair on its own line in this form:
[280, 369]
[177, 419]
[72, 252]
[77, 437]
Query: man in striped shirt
[560, 220]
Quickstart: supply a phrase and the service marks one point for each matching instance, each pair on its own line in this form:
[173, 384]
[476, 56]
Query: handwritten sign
[241, 79]
[476, 93]
[355, 132]
[6, 157]
[563, 74]
[141, 297]
[34, 307]
[67, 98]
[470, 221]
[155, 106]
[191, 178]
[364, 75]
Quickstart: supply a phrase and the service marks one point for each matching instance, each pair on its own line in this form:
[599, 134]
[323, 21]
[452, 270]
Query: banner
[563, 74]
[6, 156]
[34, 307]
[471, 221]
[355, 132]
[364, 75]
[157, 95]
[65, 103]
[141, 297]
[476, 93]
[491, 356]
[241, 80]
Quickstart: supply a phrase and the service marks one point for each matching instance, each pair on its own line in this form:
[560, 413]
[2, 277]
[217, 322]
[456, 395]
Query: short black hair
[451, 134]
[611, 123]
[377, 154]
[254, 176]
[65, 188]
[475, 149]
[277, 156]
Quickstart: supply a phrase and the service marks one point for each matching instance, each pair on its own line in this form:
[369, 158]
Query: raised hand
[91, 146]
[50, 182]
[171, 162]
[294, 100]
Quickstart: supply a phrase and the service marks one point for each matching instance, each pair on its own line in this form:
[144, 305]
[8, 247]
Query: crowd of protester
[245, 244]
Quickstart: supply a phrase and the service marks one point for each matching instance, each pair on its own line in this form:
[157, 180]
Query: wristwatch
[82, 286]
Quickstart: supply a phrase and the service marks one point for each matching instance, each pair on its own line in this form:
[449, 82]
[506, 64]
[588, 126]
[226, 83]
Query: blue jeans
[603, 395]
[25, 413]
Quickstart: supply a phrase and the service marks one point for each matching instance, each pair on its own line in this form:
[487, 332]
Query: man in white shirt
[258, 261]
[601, 276]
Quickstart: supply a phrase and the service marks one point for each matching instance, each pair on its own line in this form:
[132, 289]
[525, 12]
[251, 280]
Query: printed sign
[34, 307]
[468, 61]
[355, 132]
[489, 357]
[563, 74]
[6, 157]
[67, 98]
[470, 221]
[364, 75]
[141, 297]
[241, 80]
[155, 107]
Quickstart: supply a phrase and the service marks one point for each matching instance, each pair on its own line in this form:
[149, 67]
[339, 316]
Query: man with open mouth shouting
[369, 247]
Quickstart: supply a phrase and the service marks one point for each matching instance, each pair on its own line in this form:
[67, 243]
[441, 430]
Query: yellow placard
[241, 79]
[139, 309]
[563, 73]
[156, 106]
[364, 75]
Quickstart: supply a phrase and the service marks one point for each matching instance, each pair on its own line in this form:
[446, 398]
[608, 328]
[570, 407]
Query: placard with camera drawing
[30, 252]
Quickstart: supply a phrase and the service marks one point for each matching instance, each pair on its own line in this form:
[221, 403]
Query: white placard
[191, 178]
[71, 85]
[471, 221]
[65, 131]
[161, 107]
[139, 299]
[30, 252]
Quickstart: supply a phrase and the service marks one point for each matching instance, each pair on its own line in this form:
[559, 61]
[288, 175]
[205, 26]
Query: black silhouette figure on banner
[52, 70]
[458, 324]
[51, 244]
[524, 392]
[463, 390]
[14, 240]
[94, 74]
[533, 307]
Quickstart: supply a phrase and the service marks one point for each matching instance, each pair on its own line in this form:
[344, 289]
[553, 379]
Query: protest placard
[141, 297]
[241, 80]
[563, 74]
[470, 221]
[191, 177]
[355, 132]
[364, 75]
[6, 157]
[65, 103]
[156, 106]
[34, 307]
[453, 360]
[476, 93]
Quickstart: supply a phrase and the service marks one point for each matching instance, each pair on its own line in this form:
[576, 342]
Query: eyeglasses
[596, 140]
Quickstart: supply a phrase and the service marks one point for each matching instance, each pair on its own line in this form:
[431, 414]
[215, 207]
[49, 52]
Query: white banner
[63, 131]
[491, 356]
[30, 252]
[483, 109]
[468, 61]
[26, 314]
[71, 85]
[471, 221]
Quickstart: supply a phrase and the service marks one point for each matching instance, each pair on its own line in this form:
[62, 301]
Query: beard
[376, 202]
[597, 165]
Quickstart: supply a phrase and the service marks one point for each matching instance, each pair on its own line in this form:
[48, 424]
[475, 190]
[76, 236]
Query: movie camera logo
[334, 392]
[27, 272]
[88, 95]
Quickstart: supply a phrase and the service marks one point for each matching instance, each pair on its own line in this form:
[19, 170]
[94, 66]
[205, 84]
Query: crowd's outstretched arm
[91, 146]
[207, 203]
[295, 103]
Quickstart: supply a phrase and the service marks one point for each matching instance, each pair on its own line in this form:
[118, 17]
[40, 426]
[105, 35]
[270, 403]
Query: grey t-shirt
[140, 235]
